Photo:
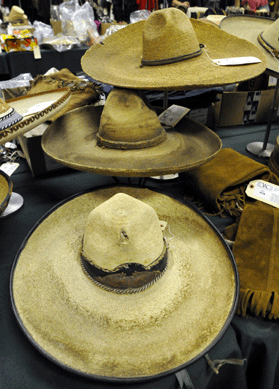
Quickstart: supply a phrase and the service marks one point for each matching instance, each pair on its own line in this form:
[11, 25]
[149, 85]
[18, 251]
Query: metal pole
[271, 114]
[264, 149]
[165, 103]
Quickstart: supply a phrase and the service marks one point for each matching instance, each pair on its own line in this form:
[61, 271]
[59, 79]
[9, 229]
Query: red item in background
[255, 4]
[146, 4]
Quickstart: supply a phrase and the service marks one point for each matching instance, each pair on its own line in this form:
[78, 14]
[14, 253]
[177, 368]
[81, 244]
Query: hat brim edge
[125, 379]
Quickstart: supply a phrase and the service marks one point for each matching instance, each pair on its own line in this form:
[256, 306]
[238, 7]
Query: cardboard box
[203, 115]
[56, 26]
[20, 44]
[235, 108]
[105, 26]
[39, 162]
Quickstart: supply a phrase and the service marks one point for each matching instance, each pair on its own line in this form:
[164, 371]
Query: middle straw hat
[126, 138]
[170, 51]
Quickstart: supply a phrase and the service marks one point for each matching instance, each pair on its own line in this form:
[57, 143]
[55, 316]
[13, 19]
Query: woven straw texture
[249, 27]
[56, 99]
[118, 60]
[122, 230]
[107, 335]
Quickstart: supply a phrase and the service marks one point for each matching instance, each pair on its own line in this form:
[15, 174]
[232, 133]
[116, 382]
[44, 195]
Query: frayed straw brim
[6, 187]
[56, 98]
[109, 336]
[71, 141]
[249, 27]
[118, 61]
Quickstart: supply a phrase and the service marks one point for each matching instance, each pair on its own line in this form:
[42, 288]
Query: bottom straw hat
[115, 298]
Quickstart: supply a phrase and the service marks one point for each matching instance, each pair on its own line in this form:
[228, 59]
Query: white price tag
[264, 191]
[37, 52]
[172, 115]
[10, 145]
[38, 107]
[236, 61]
[9, 167]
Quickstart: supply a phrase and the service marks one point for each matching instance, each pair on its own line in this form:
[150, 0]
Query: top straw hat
[262, 32]
[22, 114]
[118, 297]
[170, 51]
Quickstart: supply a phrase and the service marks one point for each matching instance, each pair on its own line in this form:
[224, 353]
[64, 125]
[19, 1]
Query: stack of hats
[135, 284]
[183, 60]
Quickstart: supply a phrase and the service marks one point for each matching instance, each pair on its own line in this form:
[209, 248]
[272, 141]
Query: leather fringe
[259, 303]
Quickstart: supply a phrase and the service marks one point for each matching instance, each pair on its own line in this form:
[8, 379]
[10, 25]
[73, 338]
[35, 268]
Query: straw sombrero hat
[262, 32]
[22, 114]
[6, 188]
[126, 138]
[170, 51]
[113, 296]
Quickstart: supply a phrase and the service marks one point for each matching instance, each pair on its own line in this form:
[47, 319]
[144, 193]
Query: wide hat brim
[249, 27]
[42, 105]
[118, 61]
[71, 141]
[6, 188]
[124, 337]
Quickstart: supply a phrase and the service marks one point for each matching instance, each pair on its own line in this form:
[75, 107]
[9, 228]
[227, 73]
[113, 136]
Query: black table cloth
[14, 63]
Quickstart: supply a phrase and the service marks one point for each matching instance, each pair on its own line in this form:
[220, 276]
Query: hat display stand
[15, 203]
[167, 177]
[264, 149]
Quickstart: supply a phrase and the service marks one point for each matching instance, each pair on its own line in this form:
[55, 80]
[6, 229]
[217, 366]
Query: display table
[14, 63]
[23, 367]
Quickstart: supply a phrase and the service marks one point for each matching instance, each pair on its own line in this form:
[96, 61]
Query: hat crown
[271, 34]
[120, 231]
[128, 121]
[16, 13]
[168, 34]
